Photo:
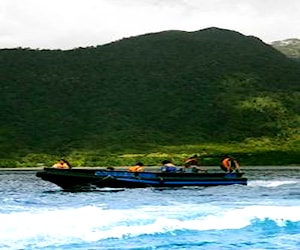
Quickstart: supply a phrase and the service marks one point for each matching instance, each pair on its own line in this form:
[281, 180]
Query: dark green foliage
[168, 88]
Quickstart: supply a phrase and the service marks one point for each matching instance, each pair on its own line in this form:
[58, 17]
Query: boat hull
[87, 178]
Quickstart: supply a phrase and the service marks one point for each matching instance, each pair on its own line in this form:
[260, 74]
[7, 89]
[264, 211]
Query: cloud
[67, 24]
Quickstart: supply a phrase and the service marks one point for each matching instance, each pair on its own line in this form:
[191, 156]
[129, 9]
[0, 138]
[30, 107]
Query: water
[35, 214]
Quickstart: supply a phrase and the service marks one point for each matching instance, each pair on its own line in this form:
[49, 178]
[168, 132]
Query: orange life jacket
[61, 165]
[136, 169]
[229, 165]
[226, 164]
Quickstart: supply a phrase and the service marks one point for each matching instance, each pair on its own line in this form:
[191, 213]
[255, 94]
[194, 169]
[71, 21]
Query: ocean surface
[265, 214]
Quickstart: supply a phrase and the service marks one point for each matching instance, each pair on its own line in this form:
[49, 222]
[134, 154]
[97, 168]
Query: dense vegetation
[149, 97]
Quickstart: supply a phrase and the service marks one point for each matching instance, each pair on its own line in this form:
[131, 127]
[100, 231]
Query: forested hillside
[167, 88]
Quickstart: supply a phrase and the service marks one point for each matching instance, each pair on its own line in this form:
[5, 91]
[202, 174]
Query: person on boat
[191, 161]
[191, 165]
[229, 164]
[139, 167]
[168, 166]
[62, 164]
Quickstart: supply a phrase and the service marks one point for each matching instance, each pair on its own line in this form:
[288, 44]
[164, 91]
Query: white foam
[87, 224]
[266, 183]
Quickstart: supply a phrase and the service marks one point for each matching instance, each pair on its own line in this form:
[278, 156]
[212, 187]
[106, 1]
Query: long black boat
[69, 179]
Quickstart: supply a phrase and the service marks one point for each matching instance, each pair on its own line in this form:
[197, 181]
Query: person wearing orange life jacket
[229, 164]
[139, 167]
[62, 164]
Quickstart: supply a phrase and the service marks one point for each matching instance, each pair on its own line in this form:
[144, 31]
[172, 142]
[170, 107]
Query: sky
[68, 24]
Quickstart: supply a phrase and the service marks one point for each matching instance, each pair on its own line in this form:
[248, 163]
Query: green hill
[168, 88]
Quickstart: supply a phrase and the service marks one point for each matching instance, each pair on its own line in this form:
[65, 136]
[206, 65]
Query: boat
[80, 178]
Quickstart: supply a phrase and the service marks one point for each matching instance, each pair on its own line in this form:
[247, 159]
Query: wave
[91, 223]
[271, 183]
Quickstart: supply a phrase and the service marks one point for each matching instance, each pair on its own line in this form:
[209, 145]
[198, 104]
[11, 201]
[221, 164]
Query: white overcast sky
[67, 24]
